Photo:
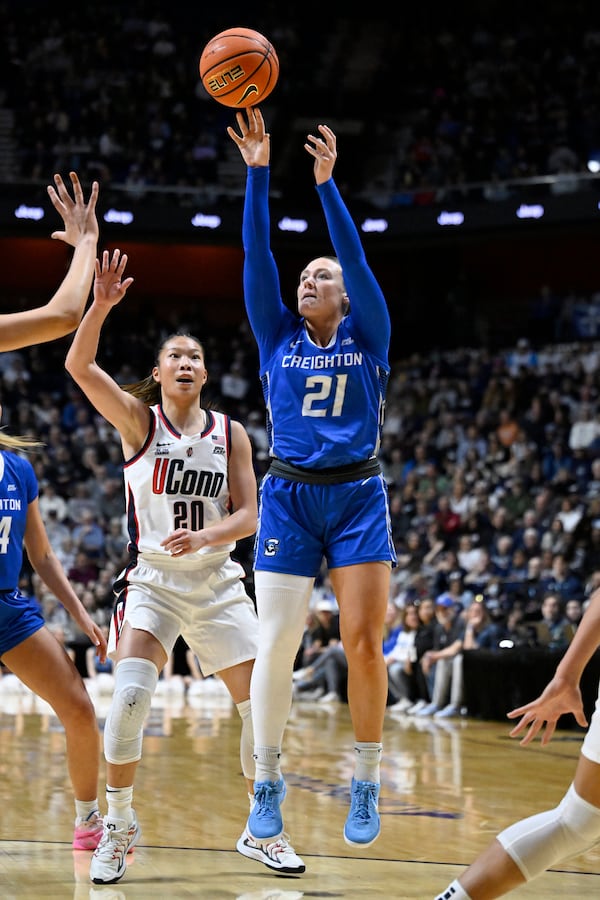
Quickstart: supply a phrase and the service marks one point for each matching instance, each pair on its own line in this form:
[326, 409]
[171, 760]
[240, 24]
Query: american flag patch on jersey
[218, 439]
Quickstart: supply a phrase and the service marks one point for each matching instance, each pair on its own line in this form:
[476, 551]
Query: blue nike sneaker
[363, 824]
[265, 819]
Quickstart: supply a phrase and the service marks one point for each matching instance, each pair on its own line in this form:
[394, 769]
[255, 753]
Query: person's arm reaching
[62, 314]
[262, 292]
[367, 304]
[563, 694]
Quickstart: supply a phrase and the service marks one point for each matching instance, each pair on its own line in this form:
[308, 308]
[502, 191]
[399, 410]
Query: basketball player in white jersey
[529, 847]
[191, 493]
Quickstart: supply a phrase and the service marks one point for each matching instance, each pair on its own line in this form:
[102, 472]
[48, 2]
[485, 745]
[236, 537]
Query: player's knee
[581, 818]
[539, 841]
[135, 683]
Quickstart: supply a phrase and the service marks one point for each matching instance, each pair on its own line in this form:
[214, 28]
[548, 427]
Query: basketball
[239, 67]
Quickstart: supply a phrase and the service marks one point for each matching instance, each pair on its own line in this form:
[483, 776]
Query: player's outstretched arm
[62, 314]
[562, 695]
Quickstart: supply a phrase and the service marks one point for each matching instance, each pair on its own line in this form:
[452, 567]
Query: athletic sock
[268, 763]
[119, 803]
[367, 759]
[454, 891]
[84, 809]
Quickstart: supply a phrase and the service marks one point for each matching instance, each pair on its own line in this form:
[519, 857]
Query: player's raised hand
[252, 141]
[78, 216]
[109, 285]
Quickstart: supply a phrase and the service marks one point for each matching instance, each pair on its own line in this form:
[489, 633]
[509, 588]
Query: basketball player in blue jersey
[324, 375]
[191, 494]
[27, 647]
[526, 849]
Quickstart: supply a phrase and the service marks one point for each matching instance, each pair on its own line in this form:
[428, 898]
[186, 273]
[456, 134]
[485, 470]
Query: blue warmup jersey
[325, 405]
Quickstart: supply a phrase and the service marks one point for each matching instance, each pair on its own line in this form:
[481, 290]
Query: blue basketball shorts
[20, 617]
[299, 524]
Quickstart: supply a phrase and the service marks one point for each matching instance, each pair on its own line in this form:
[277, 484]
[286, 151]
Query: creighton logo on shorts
[271, 546]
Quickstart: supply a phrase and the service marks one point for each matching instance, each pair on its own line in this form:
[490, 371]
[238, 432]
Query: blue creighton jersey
[18, 488]
[325, 405]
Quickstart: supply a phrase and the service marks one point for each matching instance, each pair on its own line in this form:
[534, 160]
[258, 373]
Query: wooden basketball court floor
[446, 790]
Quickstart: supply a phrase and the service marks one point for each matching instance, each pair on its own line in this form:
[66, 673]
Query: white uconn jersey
[178, 481]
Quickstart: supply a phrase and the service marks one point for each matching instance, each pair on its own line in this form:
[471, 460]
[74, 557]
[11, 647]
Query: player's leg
[42, 664]
[360, 553]
[362, 593]
[529, 847]
[140, 659]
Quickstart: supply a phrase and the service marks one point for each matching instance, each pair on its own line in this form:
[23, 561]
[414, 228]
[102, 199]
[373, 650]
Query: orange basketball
[239, 67]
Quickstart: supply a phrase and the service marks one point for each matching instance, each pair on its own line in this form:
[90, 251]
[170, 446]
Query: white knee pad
[246, 740]
[135, 683]
[539, 841]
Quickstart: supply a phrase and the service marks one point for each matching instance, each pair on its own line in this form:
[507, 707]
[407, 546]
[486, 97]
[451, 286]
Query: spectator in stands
[401, 662]
[557, 463]
[562, 580]
[503, 557]
[448, 632]
[555, 540]
[115, 543]
[554, 630]
[574, 612]
[89, 536]
[323, 629]
[51, 502]
[585, 428]
[507, 428]
[84, 570]
[448, 682]
[424, 641]
[457, 593]
[528, 539]
[516, 501]
[448, 521]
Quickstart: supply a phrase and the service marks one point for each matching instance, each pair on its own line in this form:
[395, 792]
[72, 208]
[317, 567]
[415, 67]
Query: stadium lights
[34, 213]
[287, 223]
[451, 218]
[119, 217]
[201, 220]
[593, 163]
[530, 211]
[374, 225]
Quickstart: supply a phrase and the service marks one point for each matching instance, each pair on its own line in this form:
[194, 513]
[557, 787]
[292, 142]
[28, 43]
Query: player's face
[181, 367]
[321, 289]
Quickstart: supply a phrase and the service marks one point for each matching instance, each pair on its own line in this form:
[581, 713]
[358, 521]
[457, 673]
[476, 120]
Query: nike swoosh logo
[251, 89]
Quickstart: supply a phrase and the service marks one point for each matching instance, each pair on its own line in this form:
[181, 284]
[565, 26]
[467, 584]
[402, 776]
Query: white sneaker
[428, 710]
[448, 712]
[416, 707]
[402, 705]
[331, 697]
[109, 861]
[302, 674]
[309, 696]
[278, 855]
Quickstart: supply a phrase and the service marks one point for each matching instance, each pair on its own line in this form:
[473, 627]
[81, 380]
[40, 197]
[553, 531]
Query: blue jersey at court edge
[325, 405]
[18, 488]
